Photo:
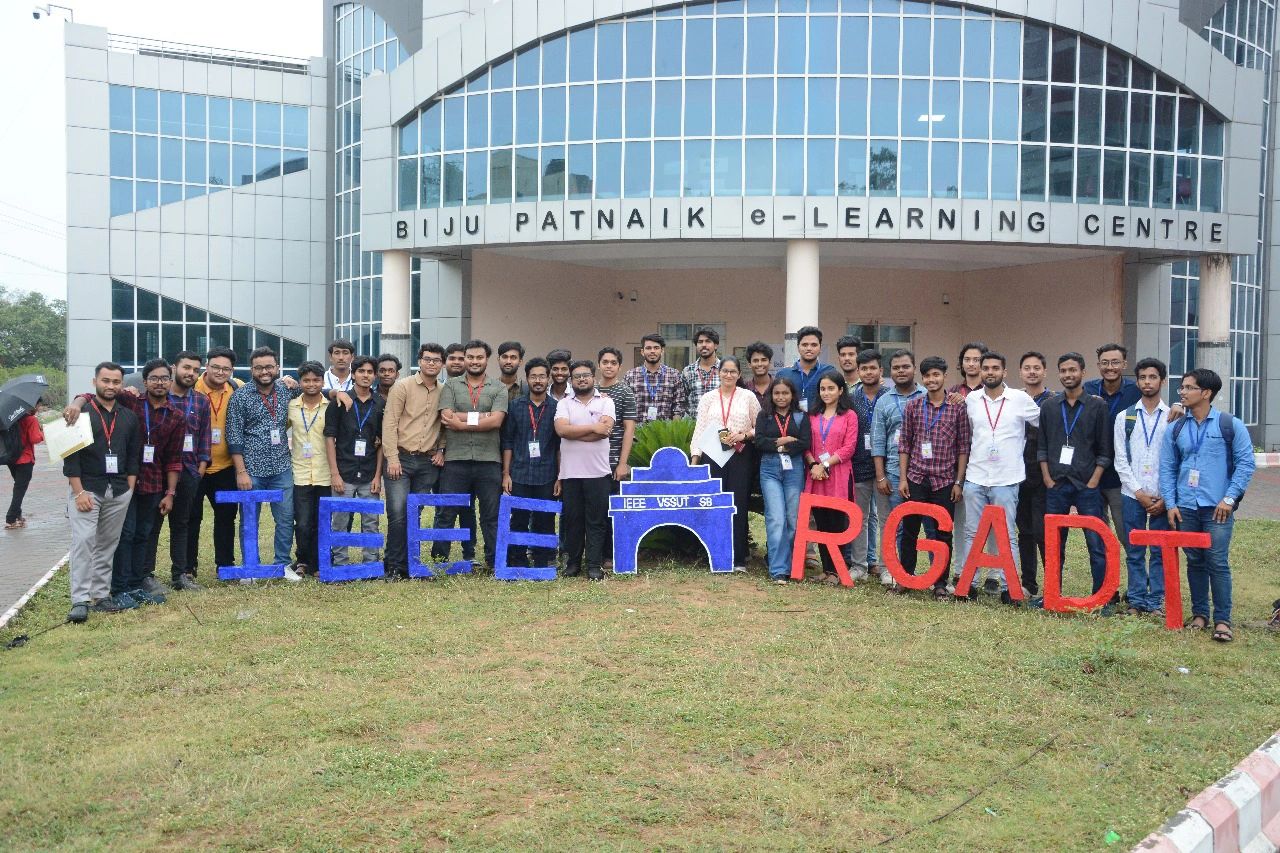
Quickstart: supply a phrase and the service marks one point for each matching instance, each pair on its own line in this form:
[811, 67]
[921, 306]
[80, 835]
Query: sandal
[831, 580]
[940, 593]
[1200, 623]
[11, 525]
[1222, 633]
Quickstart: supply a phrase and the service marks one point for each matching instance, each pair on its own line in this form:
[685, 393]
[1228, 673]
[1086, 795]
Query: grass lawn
[671, 709]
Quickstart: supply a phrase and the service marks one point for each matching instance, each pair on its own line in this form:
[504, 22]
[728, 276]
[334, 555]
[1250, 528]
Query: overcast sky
[32, 133]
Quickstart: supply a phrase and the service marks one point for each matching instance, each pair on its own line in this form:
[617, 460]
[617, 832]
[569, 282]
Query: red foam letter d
[1053, 533]
[832, 541]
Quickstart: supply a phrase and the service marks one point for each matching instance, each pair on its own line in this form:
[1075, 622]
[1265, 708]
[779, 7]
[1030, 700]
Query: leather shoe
[79, 613]
[111, 605]
[151, 586]
[188, 583]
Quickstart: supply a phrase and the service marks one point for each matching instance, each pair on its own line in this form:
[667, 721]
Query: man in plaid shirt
[659, 390]
[703, 376]
[933, 452]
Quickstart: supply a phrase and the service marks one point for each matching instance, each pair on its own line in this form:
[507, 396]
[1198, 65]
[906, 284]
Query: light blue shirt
[885, 423]
[1210, 460]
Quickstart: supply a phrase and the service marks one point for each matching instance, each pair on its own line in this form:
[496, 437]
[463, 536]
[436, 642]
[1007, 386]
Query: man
[559, 360]
[864, 379]
[969, 363]
[353, 444]
[217, 385]
[886, 426]
[101, 478]
[1206, 464]
[584, 422]
[455, 361]
[311, 471]
[257, 420]
[455, 364]
[510, 355]
[389, 368]
[338, 376]
[472, 410]
[1031, 493]
[703, 375]
[807, 370]
[1074, 449]
[998, 420]
[196, 457]
[932, 454]
[659, 389]
[760, 360]
[413, 447]
[1119, 393]
[1138, 435]
[531, 462]
[624, 428]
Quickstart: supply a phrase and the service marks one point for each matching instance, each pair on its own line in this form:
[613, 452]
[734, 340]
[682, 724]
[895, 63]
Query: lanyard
[1079, 411]
[474, 394]
[306, 427]
[1000, 411]
[217, 408]
[824, 428]
[146, 414]
[1197, 437]
[1155, 425]
[725, 410]
[1039, 398]
[929, 423]
[106, 433]
[361, 421]
[807, 383]
[651, 389]
[783, 424]
[270, 405]
[536, 423]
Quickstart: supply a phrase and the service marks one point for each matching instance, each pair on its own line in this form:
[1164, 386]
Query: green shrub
[655, 435]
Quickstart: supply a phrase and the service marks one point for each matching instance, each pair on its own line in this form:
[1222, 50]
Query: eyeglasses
[158, 379]
[583, 376]
[1111, 363]
[426, 360]
[218, 368]
[1187, 389]
[262, 368]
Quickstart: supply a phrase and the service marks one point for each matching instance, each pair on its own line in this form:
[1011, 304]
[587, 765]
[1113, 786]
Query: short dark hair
[867, 356]
[263, 352]
[153, 365]
[558, 356]
[613, 351]
[478, 344]
[847, 341]
[1207, 380]
[1044, 362]
[710, 334]
[1147, 363]
[536, 361]
[990, 354]
[902, 353]
[361, 360]
[386, 356]
[582, 362]
[221, 352]
[933, 362]
[1071, 356]
[312, 368]
[762, 348]
[430, 347]
[978, 345]
[188, 355]
[1120, 348]
[452, 348]
[341, 343]
[768, 396]
[655, 337]
[107, 365]
[507, 346]
[806, 331]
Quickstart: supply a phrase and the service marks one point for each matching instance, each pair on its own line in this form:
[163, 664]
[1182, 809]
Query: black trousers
[483, 482]
[735, 477]
[128, 566]
[829, 521]
[583, 520]
[224, 520]
[911, 524]
[523, 521]
[306, 531]
[179, 521]
[1030, 518]
[21, 479]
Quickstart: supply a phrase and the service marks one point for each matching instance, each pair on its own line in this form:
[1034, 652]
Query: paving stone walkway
[26, 554]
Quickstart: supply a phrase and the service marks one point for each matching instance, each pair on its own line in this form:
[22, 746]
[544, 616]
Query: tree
[33, 329]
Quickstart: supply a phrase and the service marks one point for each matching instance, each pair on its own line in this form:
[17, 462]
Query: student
[833, 435]
[311, 473]
[702, 376]
[583, 421]
[864, 378]
[389, 368]
[1119, 392]
[338, 376]
[624, 429]
[760, 360]
[21, 467]
[1138, 436]
[510, 355]
[353, 443]
[455, 365]
[886, 427]
[531, 462]
[217, 384]
[969, 363]
[101, 478]
[455, 361]
[782, 439]
[933, 453]
[1031, 492]
[804, 374]
[1074, 449]
[559, 360]
[729, 411]
[658, 388]
[1206, 464]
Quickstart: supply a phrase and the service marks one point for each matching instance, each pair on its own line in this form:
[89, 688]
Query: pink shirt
[579, 458]
[841, 440]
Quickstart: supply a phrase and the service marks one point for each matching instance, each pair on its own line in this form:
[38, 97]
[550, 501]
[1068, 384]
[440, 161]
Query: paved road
[26, 554]
[1263, 497]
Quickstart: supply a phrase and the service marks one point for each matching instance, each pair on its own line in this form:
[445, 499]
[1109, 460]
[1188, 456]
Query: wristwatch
[1231, 502]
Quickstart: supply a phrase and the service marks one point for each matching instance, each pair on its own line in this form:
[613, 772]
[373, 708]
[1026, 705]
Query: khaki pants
[94, 537]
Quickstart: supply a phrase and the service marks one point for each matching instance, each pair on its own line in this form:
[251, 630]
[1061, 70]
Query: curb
[1241, 811]
[21, 602]
[1266, 460]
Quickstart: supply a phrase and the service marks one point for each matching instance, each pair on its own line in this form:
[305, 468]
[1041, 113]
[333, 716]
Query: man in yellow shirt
[310, 463]
[217, 384]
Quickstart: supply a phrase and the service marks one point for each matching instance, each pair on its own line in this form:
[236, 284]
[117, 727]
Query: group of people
[562, 428]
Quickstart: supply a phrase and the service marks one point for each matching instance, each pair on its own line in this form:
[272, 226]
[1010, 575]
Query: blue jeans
[281, 512]
[781, 491]
[1208, 572]
[976, 499]
[1146, 577]
[420, 477]
[1058, 501]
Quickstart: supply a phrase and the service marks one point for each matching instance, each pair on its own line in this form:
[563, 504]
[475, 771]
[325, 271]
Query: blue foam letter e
[506, 538]
[417, 534]
[250, 504]
[330, 539]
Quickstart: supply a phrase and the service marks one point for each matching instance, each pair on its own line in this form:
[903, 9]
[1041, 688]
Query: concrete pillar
[1147, 291]
[803, 269]
[396, 287]
[1213, 346]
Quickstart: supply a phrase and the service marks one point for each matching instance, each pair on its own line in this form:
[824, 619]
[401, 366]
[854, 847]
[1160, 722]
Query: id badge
[926, 449]
[1066, 455]
[824, 458]
[993, 453]
[1193, 478]
[651, 413]
[893, 439]
[866, 442]
[188, 444]
[275, 436]
[785, 460]
[1146, 469]
[215, 436]
[361, 446]
[307, 452]
[535, 450]
[473, 419]
[112, 463]
[804, 405]
[148, 454]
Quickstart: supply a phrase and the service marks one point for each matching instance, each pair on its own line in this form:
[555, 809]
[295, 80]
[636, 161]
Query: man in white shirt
[998, 420]
[1139, 434]
[338, 376]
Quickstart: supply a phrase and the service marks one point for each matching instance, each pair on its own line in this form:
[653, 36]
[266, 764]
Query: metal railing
[213, 56]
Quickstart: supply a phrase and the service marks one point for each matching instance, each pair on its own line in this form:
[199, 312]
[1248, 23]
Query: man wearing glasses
[1119, 392]
[584, 420]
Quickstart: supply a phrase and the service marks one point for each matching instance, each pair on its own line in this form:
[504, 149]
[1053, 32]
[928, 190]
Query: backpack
[11, 446]
[1226, 425]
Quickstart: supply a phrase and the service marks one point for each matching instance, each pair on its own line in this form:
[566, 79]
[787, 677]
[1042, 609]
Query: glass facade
[814, 97]
[169, 146]
[146, 325]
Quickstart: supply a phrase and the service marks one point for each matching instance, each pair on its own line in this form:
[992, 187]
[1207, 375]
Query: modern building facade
[1038, 174]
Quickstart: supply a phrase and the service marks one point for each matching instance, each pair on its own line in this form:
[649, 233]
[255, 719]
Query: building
[1038, 174]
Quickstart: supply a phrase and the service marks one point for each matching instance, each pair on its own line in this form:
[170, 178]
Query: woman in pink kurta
[834, 431]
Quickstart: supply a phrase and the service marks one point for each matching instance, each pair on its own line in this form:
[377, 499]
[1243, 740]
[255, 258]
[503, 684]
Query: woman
[833, 437]
[730, 413]
[782, 439]
[28, 430]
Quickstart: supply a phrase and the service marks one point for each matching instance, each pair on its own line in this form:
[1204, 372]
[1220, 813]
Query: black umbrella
[135, 380]
[19, 396]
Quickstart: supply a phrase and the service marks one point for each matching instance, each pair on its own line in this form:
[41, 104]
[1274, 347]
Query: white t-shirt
[332, 382]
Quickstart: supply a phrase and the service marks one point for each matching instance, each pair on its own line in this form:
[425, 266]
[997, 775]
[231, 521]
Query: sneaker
[571, 572]
[187, 583]
[141, 597]
[79, 613]
[290, 575]
[742, 569]
[1006, 598]
[1107, 610]
[595, 575]
[153, 587]
[781, 581]
[112, 604]
[248, 581]
[858, 574]
[991, 585]
[886, 579]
